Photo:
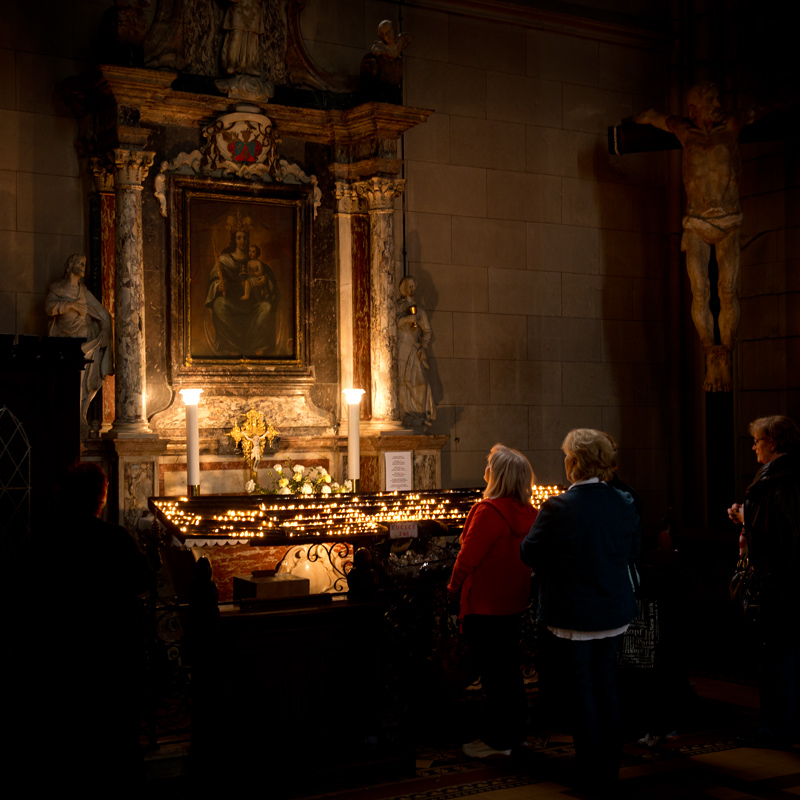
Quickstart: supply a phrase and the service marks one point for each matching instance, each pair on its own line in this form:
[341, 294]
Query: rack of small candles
[288, 519]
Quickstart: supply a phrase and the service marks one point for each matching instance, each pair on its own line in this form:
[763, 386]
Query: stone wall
[543, 262]
[540, 259]
[41, 196]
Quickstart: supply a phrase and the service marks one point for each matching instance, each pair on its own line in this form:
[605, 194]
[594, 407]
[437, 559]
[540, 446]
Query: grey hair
[595, 452]
[781, 431]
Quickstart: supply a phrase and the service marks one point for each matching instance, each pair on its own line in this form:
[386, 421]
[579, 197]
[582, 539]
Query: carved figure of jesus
[712, 165]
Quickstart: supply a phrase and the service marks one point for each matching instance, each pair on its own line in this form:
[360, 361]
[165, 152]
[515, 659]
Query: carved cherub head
[390, 44]
[386, 31]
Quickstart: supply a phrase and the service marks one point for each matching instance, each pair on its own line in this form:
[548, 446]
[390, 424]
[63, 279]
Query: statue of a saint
[712, 165]
[75, 311]
[244, 25]
[383, 64]
[414, 334]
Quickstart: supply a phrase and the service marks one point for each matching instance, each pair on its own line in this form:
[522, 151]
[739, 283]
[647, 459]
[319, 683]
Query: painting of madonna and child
[243, 270]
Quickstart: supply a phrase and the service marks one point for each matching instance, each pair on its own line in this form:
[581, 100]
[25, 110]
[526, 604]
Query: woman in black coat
[771, 518]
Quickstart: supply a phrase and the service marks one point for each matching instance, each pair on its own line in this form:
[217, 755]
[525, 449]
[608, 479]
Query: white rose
[306, 488]
[299, 468]
[250, 487]
[283, 490]
[326, 489]
[283, 482]
[327, 478]
[278, 468]
[348, 485]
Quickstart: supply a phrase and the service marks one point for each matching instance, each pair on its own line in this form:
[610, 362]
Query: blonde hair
[595, 452]
[510, 475]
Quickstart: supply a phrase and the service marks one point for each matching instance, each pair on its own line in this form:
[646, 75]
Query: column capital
[348, 200]
[380, 192]
[132, 166]
[103, 173]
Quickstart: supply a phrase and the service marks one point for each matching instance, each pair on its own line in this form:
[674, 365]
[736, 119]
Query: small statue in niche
[242, 53]
[390, 44]
[384, 64]
[413, 337]
[244, 25]
[74, 311]
[712, 165]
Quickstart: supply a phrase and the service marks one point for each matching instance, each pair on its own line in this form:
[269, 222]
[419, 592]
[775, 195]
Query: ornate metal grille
[15, 476]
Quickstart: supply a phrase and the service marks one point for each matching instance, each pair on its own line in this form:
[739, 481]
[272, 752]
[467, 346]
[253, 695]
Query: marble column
[352, 253]
[131, 167]
[380, 194]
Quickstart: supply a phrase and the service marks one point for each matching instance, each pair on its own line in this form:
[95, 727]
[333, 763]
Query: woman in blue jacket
[580, 546]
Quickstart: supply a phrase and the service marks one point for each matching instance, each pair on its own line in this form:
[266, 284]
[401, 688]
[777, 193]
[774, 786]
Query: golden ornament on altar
[251, 437]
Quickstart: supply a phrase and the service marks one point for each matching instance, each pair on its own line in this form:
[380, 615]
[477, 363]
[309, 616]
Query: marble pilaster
[131, 169]
[380, 194]
[102, 172]
[352, 252]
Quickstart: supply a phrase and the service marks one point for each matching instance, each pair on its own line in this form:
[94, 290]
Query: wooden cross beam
[628, 137]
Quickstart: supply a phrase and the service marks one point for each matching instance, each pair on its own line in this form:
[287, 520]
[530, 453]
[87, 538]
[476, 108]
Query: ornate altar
[242, 208]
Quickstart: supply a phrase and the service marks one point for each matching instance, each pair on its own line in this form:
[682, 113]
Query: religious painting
[242, 274]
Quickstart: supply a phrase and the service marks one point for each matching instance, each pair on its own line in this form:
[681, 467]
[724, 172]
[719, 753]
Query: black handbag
[639, 643]
[745, 589]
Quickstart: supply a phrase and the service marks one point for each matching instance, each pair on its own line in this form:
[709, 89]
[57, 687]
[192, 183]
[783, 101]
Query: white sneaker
[479, 749]
[648, 740]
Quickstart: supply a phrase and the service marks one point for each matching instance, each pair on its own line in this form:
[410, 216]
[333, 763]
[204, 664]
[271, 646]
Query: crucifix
[711, 168]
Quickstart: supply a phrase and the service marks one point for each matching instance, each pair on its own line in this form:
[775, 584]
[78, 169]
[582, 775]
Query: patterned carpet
[446, 774]
[704, 762]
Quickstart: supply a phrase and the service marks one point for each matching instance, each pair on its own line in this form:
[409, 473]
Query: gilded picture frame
[238, 272]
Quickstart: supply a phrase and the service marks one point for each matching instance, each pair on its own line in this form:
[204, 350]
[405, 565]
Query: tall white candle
[353, 434]
[191, 397]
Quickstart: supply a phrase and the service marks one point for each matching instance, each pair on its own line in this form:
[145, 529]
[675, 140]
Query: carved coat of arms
[241, 144]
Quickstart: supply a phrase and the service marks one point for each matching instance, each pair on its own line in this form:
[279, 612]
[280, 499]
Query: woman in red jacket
[494, 588]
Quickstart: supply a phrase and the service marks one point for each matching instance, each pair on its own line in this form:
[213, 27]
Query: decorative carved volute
[380, 192]
[103, 174]
[132, 166]
[348, 200]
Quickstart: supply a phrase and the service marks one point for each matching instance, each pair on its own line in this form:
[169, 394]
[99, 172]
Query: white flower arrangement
[298, 480]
